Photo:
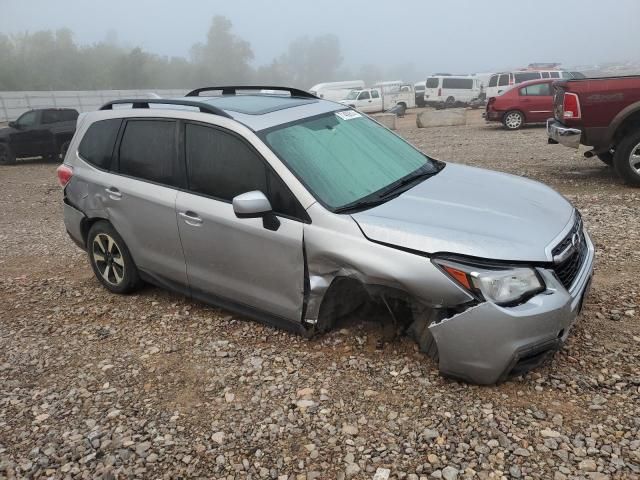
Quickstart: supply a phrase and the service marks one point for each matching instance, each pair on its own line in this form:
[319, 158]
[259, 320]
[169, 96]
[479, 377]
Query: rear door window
[538, 90]
[98, 142]
[433, 82]
[50, 116]
[148, 151]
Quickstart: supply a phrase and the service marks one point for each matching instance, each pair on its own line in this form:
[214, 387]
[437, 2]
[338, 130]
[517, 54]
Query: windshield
[342, 157]
[352, 95]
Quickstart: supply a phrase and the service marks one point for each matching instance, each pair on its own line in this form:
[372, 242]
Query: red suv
[529, 102]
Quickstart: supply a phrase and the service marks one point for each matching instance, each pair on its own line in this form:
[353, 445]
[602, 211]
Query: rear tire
[6, 156]
[513, 120]
[450, 102]
[626, 160]
[110, 259]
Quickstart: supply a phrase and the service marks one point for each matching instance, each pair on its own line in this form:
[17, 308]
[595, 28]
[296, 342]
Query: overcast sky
[446, 35]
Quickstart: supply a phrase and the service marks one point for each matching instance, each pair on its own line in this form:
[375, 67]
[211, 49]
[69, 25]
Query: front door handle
[191, 218]
[114, 193]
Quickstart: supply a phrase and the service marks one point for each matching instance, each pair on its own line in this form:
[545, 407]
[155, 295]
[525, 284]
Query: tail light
[571, 106]
[65, 172]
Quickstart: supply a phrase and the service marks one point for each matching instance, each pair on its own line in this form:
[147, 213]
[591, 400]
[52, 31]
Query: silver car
[295, 211]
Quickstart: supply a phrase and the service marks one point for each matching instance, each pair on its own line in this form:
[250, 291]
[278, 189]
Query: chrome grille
[570, 254]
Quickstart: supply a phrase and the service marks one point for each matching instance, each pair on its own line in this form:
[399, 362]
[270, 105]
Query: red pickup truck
[603, 113]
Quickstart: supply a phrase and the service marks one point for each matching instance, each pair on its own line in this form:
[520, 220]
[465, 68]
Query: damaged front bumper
[487, 343]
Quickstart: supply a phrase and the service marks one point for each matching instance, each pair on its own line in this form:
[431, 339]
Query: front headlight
[501, 285]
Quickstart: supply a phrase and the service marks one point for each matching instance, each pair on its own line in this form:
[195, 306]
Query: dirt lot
[154, 385]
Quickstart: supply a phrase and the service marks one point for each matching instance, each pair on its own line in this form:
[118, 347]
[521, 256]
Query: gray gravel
[154, 385]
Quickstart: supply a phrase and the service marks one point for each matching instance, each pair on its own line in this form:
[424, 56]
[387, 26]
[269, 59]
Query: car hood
[472, 211]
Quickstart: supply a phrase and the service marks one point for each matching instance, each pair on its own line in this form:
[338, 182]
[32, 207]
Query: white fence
[14, 104]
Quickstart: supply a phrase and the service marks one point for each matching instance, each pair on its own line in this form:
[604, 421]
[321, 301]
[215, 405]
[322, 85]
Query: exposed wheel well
[86, 225]
[346, 294]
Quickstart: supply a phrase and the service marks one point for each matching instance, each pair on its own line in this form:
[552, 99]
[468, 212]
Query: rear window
[526, 76]
[97, 144]
[458, 83]
[493, 81]
[433, 82]
[148, 151]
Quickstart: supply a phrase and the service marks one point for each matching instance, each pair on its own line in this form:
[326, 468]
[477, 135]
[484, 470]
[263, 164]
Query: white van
[500, 82]
[336, 91]
[450, 89]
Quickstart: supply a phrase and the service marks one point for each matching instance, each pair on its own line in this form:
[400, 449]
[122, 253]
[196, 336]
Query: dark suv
[38, 133]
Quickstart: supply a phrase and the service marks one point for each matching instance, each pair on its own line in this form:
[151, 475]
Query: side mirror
[254, 205]
[251, 205]
[13, 124]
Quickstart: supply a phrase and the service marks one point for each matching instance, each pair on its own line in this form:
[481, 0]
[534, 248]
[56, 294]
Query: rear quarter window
[98, 142]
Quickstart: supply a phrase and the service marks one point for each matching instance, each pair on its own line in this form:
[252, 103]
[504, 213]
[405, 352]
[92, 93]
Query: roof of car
[258, 111]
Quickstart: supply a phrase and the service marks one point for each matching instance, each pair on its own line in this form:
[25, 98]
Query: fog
[376, 39]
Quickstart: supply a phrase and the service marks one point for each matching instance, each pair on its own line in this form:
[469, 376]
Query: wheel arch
[626, 120]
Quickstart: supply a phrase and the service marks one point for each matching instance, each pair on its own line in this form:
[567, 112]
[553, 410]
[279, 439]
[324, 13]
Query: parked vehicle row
[501, 82]
[38, 133]
[320, 210]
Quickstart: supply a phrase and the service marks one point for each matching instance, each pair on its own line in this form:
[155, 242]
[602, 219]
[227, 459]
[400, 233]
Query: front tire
[110, 259]
[626, 159]
[513, 120]
[6, 156]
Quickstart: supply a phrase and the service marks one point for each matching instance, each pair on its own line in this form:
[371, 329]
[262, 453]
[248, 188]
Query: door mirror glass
[13, 124]
[251, 205]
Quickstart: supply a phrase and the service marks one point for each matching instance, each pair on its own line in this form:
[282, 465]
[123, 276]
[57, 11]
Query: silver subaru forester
[295, 211]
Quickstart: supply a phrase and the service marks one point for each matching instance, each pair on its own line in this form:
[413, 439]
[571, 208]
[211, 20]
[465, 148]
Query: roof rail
[144, 103]
[232, 90]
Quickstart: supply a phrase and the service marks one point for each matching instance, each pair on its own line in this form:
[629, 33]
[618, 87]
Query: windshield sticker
[348, 114]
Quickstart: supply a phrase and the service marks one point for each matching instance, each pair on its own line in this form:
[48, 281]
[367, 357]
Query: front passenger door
[240, 262]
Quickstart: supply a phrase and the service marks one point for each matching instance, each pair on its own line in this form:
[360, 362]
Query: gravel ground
[153, 385]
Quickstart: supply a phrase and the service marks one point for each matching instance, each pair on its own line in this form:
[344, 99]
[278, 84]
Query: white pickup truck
[372, 100]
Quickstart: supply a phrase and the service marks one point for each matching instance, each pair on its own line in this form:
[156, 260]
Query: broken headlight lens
[504, 286]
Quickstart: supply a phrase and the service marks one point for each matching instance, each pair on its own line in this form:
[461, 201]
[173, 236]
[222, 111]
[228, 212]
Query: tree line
[52, 60]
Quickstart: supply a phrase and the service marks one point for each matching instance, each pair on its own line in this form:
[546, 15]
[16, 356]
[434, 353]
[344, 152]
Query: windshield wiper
[410, 180]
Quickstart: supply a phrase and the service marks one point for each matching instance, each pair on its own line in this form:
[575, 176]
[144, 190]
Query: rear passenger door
[537, 102]
[234, 261]
[140, 199]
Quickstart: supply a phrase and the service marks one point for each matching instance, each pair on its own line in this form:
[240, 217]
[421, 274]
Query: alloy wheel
[634, 159]
[108, 259]
[513, 120]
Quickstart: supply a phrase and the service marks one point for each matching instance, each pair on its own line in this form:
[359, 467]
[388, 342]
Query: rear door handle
[191, 218]
[114, 193]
